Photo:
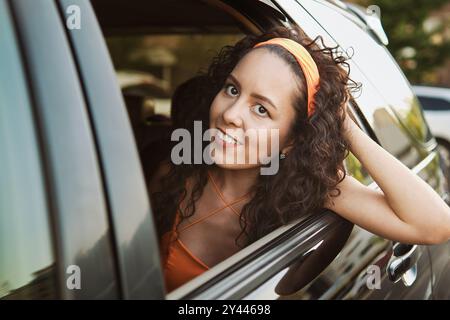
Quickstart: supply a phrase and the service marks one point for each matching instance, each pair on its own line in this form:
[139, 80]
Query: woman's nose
[232, 115]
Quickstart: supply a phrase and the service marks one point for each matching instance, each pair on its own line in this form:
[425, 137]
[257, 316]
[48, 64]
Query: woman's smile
[226, 140]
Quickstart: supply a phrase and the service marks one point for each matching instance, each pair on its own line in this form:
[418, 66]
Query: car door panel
[131, 218]
[275, 265]
[387, 128]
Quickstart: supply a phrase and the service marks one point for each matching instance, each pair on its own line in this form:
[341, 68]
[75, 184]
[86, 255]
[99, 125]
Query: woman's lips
[225, 139]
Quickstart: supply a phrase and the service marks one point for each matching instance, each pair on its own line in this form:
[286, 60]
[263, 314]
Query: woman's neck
[234, 183]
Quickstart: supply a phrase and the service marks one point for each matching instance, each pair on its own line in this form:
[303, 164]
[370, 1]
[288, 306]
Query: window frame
[131, 221]
[74, 190]
[25, 175]
[279, 243]
[216, 275]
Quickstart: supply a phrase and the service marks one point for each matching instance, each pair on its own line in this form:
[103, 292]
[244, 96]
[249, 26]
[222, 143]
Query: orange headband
[306, 63]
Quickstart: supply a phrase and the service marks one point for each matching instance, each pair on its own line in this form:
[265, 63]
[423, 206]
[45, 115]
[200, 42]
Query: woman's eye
[260, 110]
[231, 90]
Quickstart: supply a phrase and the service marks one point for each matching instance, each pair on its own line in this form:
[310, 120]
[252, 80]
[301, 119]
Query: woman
[205, 213]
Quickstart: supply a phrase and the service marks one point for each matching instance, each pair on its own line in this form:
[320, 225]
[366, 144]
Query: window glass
[27, 263]
[356, 169]
[434, 104]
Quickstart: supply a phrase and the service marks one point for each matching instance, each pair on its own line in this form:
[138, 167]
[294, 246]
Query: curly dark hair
[314, 167]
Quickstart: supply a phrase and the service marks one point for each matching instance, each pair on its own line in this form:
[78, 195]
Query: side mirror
[371, 16]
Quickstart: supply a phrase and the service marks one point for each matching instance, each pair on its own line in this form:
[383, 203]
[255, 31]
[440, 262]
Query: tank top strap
[220, 194]
[212, 213]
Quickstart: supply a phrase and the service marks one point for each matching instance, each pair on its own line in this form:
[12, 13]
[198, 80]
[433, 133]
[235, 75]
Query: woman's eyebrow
[235, 81]
[258, 96]
[255, 95]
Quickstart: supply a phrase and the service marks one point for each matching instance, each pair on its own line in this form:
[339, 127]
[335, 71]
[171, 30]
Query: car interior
[158, 48]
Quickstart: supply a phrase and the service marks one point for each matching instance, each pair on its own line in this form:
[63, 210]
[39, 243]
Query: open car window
[166, 44]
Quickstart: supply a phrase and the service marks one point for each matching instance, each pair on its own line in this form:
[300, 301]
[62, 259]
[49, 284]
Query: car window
[151, 63]
[355, 168]
[27, 261]
[434, 104]
[150, 66]
[154, 55]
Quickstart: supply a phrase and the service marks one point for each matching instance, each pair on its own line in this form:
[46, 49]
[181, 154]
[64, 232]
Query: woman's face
[256, 100]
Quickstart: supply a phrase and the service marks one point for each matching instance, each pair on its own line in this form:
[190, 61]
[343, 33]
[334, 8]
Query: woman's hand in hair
[349, 127]
[404, 209]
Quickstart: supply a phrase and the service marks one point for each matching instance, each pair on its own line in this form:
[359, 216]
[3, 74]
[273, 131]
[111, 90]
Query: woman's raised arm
[406, 209]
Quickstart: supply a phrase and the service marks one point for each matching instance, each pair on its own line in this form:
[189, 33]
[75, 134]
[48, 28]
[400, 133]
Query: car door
[405, 107]
[55, 235]
[133, 235]
[387, 119]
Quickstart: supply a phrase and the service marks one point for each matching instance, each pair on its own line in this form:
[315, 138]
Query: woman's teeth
[226, 138]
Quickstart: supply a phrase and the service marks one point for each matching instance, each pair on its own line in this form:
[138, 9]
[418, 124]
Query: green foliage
[403, 21]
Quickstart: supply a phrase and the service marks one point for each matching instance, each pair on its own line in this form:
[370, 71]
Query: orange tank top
[180, 264]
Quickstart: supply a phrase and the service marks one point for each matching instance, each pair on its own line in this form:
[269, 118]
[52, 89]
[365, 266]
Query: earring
[282, 156]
